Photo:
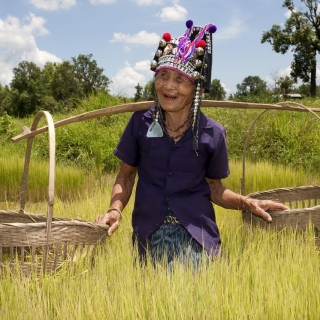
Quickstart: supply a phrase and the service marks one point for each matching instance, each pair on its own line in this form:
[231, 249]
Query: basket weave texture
[303, 201]
[36, 243]
[304, 204]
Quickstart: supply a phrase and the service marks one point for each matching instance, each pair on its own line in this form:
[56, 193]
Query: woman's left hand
[260, 207]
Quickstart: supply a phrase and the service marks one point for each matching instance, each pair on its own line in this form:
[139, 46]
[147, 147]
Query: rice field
[263, 274]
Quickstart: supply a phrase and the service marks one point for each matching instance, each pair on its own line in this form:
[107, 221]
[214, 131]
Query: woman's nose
[169, 84]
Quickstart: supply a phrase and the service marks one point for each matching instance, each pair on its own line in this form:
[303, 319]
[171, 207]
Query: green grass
[264, 275]
[280, 137]
[70, 182]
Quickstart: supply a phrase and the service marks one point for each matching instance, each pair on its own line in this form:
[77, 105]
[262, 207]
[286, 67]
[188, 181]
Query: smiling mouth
[169, 97]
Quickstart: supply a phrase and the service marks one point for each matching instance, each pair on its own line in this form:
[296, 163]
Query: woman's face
[175, 92]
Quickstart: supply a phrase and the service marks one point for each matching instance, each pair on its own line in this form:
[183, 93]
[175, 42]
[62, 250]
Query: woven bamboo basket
[303, 201]
[36, 243]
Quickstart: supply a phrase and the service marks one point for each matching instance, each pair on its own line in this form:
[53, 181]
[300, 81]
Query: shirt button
[173, 148]
[167, 199]
[170, 174]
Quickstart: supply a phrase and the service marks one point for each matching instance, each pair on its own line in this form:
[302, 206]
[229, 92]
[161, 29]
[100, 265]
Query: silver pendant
[155, 130]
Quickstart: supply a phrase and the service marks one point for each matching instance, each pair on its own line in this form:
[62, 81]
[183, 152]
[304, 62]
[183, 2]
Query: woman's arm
[228, 199]
[121, 193]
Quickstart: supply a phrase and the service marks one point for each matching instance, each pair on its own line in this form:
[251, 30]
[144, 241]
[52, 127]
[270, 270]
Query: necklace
[177, 128]
[164, 128]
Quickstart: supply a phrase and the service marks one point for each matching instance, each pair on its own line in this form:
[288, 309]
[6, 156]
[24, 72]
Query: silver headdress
[190, 55]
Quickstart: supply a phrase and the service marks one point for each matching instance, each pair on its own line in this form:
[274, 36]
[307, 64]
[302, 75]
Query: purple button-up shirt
[172, 175]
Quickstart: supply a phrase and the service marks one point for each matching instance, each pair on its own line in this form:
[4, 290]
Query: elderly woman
[181, 156]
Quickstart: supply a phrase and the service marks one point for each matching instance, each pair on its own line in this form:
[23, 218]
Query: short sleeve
[218, 163]
[127, 149]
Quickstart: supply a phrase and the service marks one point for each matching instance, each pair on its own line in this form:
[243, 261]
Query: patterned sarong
[172, 243]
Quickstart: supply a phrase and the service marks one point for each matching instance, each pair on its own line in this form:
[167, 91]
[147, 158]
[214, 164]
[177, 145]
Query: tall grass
[264, 275]
[74, 184]
[70, 182]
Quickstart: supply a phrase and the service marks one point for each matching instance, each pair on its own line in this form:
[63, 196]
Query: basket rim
[283, 189]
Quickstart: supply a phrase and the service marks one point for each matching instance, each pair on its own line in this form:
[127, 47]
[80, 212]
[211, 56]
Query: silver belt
[171, 220]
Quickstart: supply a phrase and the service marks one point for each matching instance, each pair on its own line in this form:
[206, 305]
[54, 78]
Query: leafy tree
[138, 95]
[88, 75]
[217, 91]
[64, 86]
[48, 74]
[301, 32]
[285, 84]
[149, 91]
[304, 89]
[4, 92]
[251, 85]
[27, 88]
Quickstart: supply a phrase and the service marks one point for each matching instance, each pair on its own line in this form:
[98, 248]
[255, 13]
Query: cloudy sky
[122, 36]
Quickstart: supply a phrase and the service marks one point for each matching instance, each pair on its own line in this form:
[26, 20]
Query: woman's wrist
[115, 209]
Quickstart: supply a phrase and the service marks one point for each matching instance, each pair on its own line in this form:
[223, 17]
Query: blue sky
[122, 36]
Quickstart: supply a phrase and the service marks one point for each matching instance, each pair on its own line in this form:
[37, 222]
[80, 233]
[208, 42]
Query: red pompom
[201, 44]
[166, 36]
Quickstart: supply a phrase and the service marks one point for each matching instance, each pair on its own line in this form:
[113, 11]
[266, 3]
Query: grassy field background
[264, 274]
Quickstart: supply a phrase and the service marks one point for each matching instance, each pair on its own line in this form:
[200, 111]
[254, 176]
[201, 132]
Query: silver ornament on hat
[154, 64]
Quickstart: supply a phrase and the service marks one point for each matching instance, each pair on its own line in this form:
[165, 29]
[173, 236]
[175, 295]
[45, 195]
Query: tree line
[56, 87]
[59, 86]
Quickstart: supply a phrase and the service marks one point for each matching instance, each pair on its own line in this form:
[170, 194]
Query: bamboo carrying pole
[137, 106]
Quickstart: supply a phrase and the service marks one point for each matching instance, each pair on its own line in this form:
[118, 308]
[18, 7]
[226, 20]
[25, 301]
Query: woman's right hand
[112, 218]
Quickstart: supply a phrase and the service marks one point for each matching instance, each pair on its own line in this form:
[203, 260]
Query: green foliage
[64, 86]
[217, 91]
[89, 76]
[90, 144]
[149, 91]
[281, 137]
[138, 94]
[27, 89]
[266, 97]
[285, 85]
[301, 32]
[251, 85]
[57, 87]
[6, 126]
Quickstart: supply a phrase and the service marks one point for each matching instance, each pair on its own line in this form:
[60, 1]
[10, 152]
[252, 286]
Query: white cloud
[102, 1]
[125, 81]
[149, 2]
[175, 13]
[284, 72]
[52, 5]
[17, 43]
[143, 65]
[231, 31]
[280, 73]
[141, 37]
